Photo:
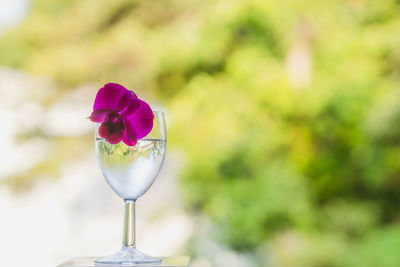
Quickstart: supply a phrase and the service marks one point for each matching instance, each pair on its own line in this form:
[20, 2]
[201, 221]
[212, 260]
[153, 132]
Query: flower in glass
[123, 116]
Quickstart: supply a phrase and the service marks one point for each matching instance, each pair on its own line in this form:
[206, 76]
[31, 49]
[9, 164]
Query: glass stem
[129, 224]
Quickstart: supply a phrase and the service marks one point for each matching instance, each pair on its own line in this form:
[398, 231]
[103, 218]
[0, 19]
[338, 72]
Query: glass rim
[158, 115]
[158, 112]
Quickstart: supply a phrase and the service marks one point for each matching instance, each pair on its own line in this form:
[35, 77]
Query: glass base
[127, 256]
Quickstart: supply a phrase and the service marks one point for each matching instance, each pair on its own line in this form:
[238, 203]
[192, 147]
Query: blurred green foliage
[288, 111]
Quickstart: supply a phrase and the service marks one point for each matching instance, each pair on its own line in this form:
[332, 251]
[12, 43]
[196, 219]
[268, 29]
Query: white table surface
[181, 261]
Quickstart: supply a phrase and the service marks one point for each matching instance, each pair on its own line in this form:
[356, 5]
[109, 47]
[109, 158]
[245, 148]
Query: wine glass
[130, 171]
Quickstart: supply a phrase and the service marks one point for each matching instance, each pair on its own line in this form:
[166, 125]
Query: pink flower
[123, 116]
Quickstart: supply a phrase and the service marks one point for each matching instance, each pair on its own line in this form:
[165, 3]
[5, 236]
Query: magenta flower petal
[129, 142]
[138, 123]
[133, 105]
[114, 97]
[100, 115]
[112, 131]
[122, 115]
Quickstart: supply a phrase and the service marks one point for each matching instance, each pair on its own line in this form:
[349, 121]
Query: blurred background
[283, 129]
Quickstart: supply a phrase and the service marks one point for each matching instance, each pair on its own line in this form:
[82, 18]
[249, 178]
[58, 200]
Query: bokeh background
[283, 129]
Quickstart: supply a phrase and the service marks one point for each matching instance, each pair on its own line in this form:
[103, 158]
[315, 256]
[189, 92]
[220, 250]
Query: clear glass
[130, 171]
